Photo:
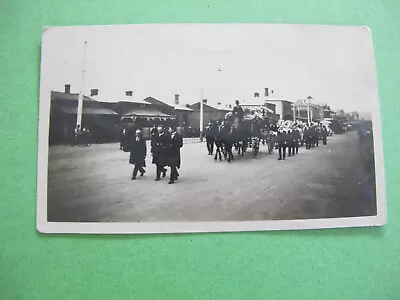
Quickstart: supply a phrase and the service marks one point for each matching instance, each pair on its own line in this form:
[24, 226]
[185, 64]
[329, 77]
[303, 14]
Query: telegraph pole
[80, 98]
[201, 116]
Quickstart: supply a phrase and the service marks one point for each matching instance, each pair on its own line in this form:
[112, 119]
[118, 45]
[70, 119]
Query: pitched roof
[153, 100]
[181, 107]
[89, 111]
[147, 113]
[64, 96]
[134, 101]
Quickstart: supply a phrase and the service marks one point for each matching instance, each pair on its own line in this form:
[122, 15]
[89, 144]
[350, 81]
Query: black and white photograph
[172, 128]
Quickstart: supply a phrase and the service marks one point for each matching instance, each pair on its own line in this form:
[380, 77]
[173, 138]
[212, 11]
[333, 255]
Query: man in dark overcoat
[324, 134]
[290, 143]
[297, 138]
[175, 159]
[153, 138]
[282, 144]
[162, 152]
[138, 154]
[210, 137]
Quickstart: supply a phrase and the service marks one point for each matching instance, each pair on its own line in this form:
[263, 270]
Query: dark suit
[297, 137]
[175, 158]
[154, 135]
[210, 138]
[238, 111]
[291, 143]
[162, 152]
[282, 144]
[138, 155]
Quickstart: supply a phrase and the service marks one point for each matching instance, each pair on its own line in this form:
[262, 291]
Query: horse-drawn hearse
[247, 133]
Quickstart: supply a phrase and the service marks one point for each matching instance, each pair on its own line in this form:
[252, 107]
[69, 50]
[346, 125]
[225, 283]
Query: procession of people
[166, 142]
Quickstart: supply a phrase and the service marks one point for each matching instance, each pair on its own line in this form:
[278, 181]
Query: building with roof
[210, 113]
[97, 116]
[180, 112]
[283, 108]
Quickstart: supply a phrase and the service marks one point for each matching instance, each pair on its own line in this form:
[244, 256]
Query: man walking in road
[162, 152]
[210, 137]
[175, 159]
[138, 154]
[282, 144]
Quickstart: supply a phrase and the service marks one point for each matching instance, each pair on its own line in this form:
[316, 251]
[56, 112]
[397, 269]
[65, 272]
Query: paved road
[92, 184]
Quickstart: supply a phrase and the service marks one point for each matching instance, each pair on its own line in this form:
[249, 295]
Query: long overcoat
[162, 150]
[177, 144]
[138, 153]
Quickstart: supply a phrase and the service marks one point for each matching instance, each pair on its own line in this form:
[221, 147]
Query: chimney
[94, 92]
[129, 93]
[266, 92]
[177, 99]
[256, 95]
[67, 89]
[230, 106]
[205, 101]
[219, 103]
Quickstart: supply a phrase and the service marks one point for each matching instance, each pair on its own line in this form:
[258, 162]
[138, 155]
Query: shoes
[164, 173]
[171, 182]
[158, 179]
[133, 178]
[142, 173]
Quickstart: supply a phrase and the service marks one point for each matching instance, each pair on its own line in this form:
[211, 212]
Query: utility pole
[80, 98]
[201, 116]
[308, 109]
[294, 112]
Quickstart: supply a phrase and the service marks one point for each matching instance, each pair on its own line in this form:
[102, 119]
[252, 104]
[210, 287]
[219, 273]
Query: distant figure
[282, 144]
[138, 154]
[238, 111]
[291, 143]
[162, 152]
[175, 159]
[210, 137]
[122, 137]
[324, 134]
[153, 137]
[297, 138]
[78, 133]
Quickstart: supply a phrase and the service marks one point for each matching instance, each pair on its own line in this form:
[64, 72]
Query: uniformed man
[291, 143]
[282, 144]
[297, 138]
[324, 133]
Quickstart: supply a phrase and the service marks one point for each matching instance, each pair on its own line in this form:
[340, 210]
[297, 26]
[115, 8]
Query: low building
[98, 117]
[180, 112]
[283, 108]
[210, 113]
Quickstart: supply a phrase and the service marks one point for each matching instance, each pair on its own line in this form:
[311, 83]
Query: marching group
[291, 139]
[166, 142]
[165, 149]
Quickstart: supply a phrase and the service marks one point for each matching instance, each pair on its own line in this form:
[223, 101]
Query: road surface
[92, 184]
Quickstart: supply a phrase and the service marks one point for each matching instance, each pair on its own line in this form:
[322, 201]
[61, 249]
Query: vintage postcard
[174, 128]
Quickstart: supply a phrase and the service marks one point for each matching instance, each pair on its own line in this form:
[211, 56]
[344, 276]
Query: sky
[333, 64]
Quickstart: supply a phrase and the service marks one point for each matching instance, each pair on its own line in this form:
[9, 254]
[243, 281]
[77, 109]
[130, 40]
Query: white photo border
[43, 226]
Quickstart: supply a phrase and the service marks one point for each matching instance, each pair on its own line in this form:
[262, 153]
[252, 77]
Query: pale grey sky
[335, 65]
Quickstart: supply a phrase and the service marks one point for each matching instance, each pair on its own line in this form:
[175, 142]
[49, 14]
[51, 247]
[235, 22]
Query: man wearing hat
[175, 158]
[282, 144]
[162, 152]
[138, 154]
[238, 111]
[210, 137]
